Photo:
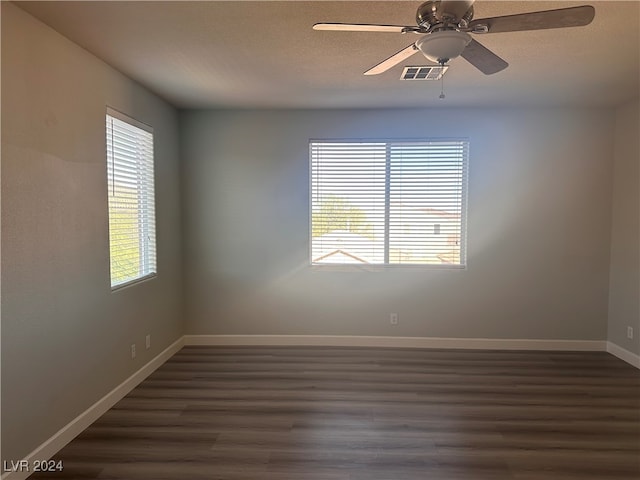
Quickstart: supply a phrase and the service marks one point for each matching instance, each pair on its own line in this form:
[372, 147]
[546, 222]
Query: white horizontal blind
[348, 202]
[132, 235]
[388, 203]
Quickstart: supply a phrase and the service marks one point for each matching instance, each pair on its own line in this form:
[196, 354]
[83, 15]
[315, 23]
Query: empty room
[320, 240]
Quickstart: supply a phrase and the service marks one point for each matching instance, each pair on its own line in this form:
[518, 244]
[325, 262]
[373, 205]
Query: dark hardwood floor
[311, 413]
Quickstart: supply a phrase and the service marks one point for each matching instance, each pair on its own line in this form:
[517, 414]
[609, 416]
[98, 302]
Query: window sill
[131, 283]
[328, 267]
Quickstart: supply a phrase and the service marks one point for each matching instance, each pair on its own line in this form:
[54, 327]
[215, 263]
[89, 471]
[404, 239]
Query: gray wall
[65, 336]
[624, 295]
[538, 227]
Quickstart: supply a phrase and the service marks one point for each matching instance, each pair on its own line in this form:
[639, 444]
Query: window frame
[374, 267]
[148, 247]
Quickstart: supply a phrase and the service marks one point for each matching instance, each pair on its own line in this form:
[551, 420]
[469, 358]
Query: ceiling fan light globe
[444, 45]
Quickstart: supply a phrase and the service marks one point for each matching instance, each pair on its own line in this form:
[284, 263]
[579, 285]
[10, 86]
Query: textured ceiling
[266, 55]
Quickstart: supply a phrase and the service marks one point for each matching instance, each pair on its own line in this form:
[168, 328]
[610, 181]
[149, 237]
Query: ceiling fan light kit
[445, 27]
[444, 45]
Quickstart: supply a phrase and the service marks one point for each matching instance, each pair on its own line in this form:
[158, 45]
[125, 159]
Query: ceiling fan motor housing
[433, 13]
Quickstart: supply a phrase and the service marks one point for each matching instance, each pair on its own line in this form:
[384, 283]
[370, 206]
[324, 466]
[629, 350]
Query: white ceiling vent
[431, 72]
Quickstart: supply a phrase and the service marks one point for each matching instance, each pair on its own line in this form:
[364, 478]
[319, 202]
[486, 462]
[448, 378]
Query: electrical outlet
[148, 341]
[133, 351]
[630, 332]
[393, 319]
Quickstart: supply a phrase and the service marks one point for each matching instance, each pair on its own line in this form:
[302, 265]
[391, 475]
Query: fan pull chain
[441, 81]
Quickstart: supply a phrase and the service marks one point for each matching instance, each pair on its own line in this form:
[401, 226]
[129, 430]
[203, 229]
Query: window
[132, 233]
[388, 203]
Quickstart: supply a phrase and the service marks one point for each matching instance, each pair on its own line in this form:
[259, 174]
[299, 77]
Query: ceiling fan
[445, 26]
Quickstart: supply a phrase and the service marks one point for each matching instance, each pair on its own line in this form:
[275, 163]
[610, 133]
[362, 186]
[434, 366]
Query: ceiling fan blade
[563, 17]
[355, 27]
[483, 59]
[456, 8]
[393, 60]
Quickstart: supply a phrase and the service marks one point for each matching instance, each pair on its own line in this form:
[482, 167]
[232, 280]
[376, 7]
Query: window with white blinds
[388, 203]
[132, 231]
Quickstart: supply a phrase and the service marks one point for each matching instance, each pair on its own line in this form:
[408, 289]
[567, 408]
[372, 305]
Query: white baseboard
[623, 354]
[52, 446]
[396, 342]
